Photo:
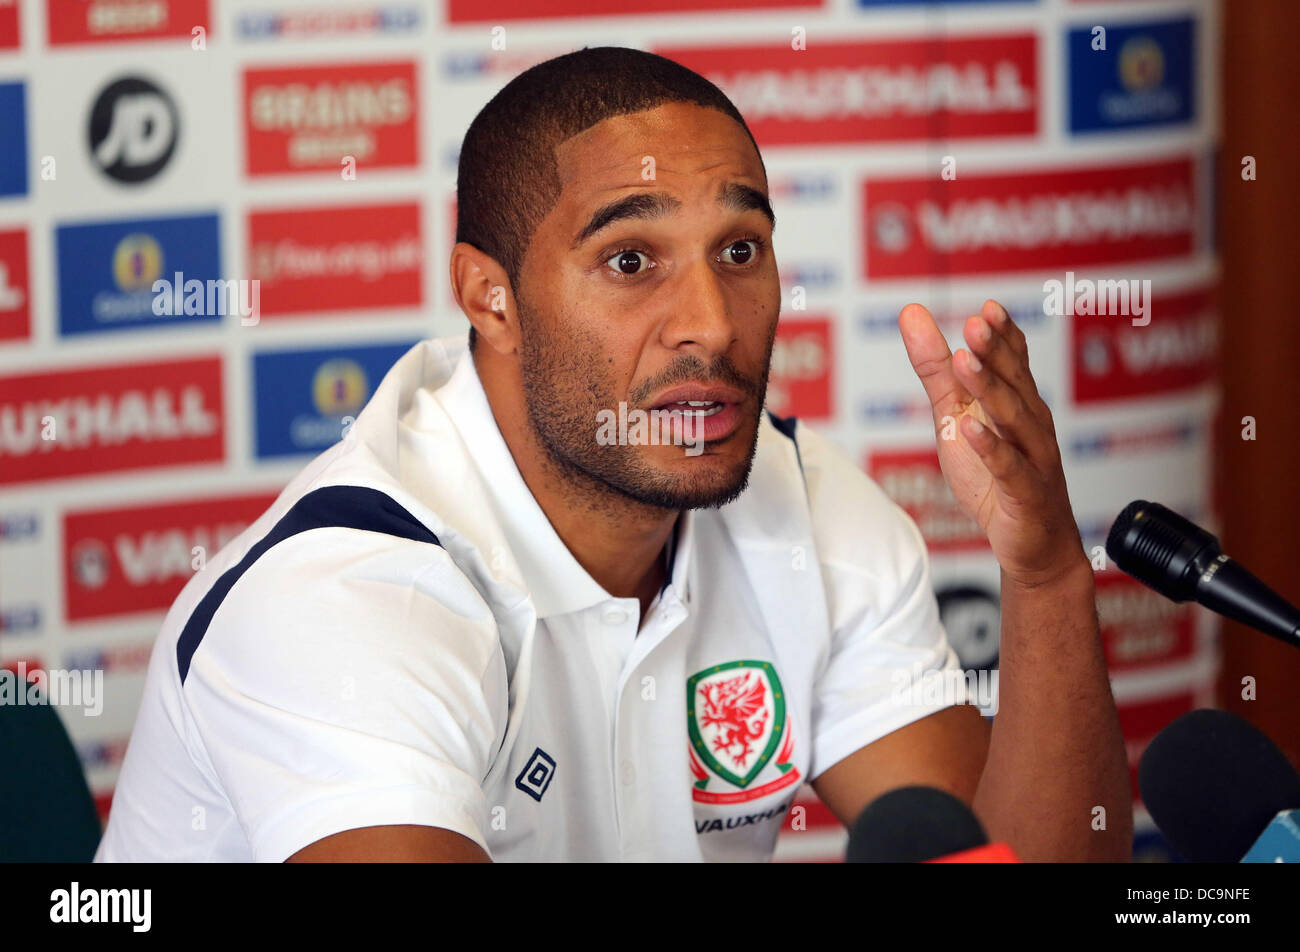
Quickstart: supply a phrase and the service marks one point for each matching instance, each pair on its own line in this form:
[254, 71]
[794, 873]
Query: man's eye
[629, 262]
[742, 252]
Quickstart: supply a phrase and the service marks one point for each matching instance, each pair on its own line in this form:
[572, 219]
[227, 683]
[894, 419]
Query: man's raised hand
[997, 442]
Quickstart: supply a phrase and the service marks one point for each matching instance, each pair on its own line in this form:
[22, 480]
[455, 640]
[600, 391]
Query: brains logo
[339, 388]
[90, 563]
[137, 262]
[1141, 64]
[736, 719]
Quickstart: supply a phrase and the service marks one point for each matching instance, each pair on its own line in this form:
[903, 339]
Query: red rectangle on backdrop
[15, 287]
[1139, 627]
[338, 258]
[1113, 359]
[103, 419]
[914, 480]
[309, 118]
[108, 21]
[922, 225]
[802, 379]
[138, 558]
[9, 32]
[479, 11]
[877, 90]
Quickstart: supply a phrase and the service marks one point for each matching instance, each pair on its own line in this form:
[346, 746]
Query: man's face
[652, 284]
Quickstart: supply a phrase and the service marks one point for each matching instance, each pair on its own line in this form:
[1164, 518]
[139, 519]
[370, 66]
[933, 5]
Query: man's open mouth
[694, 408]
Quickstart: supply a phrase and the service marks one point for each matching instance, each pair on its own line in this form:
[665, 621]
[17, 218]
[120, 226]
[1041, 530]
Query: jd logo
[133, 130]
[736, 719]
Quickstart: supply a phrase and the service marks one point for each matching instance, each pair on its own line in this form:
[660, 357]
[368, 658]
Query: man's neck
[618, 541]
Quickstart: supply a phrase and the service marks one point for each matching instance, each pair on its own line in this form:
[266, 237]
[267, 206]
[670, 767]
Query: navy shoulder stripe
[346, 507]
[786, 426]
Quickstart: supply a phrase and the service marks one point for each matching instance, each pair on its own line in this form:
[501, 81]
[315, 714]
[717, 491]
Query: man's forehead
[679, 138]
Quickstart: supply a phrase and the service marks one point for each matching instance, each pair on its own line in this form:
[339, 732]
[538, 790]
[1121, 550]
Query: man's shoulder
[345, 552]
[854, 522]
[397, 482]
[363, 482]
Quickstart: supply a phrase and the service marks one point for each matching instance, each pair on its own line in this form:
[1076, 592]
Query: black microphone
[1212, 782]
[1183, 562]
[912, 825]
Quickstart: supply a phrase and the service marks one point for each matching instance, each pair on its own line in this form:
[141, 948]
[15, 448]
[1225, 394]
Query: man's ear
[484, 294]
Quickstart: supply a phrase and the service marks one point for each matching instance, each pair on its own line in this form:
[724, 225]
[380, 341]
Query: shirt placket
[633, 773]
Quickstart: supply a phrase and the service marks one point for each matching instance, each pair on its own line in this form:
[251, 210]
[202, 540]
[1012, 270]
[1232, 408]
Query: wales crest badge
[739, 732]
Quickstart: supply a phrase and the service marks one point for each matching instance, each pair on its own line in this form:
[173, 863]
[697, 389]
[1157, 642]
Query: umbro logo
[536, 775]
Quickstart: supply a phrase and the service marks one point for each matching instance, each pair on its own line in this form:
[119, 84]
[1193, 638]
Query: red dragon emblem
[739, 727]
[737, 707]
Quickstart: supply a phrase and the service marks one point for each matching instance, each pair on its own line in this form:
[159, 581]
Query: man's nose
[701, 314]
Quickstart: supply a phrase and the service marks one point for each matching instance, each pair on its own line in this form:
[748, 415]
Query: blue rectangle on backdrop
[1144, 76]
[106, 271]
[13, 140]
[304, 399]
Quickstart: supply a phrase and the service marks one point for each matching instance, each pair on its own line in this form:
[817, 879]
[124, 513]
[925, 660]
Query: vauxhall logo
[134, 126]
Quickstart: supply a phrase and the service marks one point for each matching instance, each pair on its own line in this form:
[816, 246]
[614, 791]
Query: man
[489, 625]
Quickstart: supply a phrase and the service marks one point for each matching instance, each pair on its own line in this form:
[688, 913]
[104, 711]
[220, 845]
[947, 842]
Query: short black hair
[507, 180]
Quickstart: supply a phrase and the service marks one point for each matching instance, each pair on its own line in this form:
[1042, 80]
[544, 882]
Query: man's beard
[565, 386]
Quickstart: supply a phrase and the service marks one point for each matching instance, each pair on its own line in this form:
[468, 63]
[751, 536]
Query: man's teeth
[699, 408]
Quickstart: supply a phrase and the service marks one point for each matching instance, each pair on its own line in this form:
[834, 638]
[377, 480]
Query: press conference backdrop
[934, 152]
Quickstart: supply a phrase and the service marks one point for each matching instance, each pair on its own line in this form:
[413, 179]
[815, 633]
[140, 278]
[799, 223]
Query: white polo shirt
[403, 639]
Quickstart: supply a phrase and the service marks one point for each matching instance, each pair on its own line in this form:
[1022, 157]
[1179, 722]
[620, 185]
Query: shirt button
[614, 616]
[628, 773]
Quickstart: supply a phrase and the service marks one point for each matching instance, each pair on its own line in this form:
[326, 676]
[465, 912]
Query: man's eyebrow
[653, 204]
[641, 205]
[743, 198]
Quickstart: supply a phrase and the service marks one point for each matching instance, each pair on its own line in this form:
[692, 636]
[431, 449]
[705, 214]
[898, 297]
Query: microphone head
[1160, 548]
[912, 825]
[1212, 782]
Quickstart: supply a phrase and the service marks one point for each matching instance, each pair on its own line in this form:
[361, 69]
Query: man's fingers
[996, 351]
[931, 359]
[1011, 472]
[1001, 322]
[998, 354]
[999, 351]
[1002, 405]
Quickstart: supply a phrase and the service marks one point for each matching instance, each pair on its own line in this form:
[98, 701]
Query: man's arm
[1056, 753]
[946, 749]
[392, 844]
[397, 703]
